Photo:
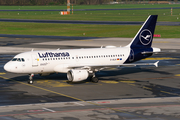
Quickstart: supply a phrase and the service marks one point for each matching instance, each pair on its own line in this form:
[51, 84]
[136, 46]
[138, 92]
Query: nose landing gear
[30, 81]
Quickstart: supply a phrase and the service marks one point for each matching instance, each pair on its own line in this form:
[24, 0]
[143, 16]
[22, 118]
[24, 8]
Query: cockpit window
[14, 59]
[18, 59]
[22, 59]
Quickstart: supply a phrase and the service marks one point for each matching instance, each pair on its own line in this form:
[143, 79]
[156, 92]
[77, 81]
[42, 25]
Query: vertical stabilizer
[144, 36]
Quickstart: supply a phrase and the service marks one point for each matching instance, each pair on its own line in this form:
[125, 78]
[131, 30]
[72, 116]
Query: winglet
[156, 63]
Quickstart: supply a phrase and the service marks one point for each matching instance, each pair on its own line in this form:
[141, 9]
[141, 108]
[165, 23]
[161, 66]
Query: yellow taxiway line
[92, 103]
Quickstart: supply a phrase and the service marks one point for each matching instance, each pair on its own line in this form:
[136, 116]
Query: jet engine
[77, 75]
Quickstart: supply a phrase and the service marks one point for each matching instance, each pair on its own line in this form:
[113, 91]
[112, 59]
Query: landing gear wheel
[30, 82]
[94, 79]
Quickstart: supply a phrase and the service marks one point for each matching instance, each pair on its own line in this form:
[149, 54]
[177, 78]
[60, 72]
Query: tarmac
[129, 93]
[87, 22]
[10, 45]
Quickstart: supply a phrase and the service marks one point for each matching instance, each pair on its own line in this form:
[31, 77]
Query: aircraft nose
[12, 67]
[7, 67]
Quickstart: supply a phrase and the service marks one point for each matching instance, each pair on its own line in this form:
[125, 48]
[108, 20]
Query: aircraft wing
[155, 64]
[101, 67]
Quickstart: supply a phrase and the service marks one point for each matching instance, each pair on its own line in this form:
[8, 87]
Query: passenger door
[35, 60]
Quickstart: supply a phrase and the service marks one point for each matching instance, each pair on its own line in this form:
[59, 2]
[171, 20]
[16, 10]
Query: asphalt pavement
[87, 22]
[133, 93]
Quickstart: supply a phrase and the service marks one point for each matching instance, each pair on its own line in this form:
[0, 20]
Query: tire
[94, 79]
[30, 82]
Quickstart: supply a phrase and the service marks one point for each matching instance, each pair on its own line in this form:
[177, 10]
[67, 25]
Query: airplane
[79, 64]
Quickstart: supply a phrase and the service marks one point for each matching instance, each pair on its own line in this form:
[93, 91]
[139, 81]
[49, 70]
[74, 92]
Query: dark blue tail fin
[144, 37]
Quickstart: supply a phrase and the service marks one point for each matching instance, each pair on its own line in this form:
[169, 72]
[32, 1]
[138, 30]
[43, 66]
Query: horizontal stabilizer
[155, 50]
[149, 52]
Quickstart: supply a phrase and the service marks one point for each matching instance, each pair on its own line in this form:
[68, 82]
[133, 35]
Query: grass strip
[128, 31]
[108, 15]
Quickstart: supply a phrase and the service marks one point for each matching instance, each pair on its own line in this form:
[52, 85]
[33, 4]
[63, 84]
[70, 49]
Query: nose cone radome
[10, 67]
[7, 67]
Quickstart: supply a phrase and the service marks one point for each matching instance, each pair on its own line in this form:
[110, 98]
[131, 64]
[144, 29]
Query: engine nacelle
[77, 75]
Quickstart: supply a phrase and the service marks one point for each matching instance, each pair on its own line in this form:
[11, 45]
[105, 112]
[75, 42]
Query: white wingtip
[156, 63]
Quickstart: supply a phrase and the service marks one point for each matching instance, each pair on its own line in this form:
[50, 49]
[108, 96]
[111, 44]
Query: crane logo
[145, 37]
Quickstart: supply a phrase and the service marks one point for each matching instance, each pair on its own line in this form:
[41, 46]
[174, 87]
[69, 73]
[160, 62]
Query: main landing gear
[30, 81]
[93, 78]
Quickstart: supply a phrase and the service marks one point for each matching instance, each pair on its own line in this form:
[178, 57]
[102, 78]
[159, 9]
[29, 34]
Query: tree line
[64, 2]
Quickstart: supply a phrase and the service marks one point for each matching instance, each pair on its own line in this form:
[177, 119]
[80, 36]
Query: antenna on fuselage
[32, 50]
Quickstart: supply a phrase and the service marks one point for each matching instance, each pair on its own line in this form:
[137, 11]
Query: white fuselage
[79, 64]
[52, 61]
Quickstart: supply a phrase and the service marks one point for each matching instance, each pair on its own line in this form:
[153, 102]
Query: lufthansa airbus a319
[79, 64]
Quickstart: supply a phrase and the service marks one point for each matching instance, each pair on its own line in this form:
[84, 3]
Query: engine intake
[77, 75]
